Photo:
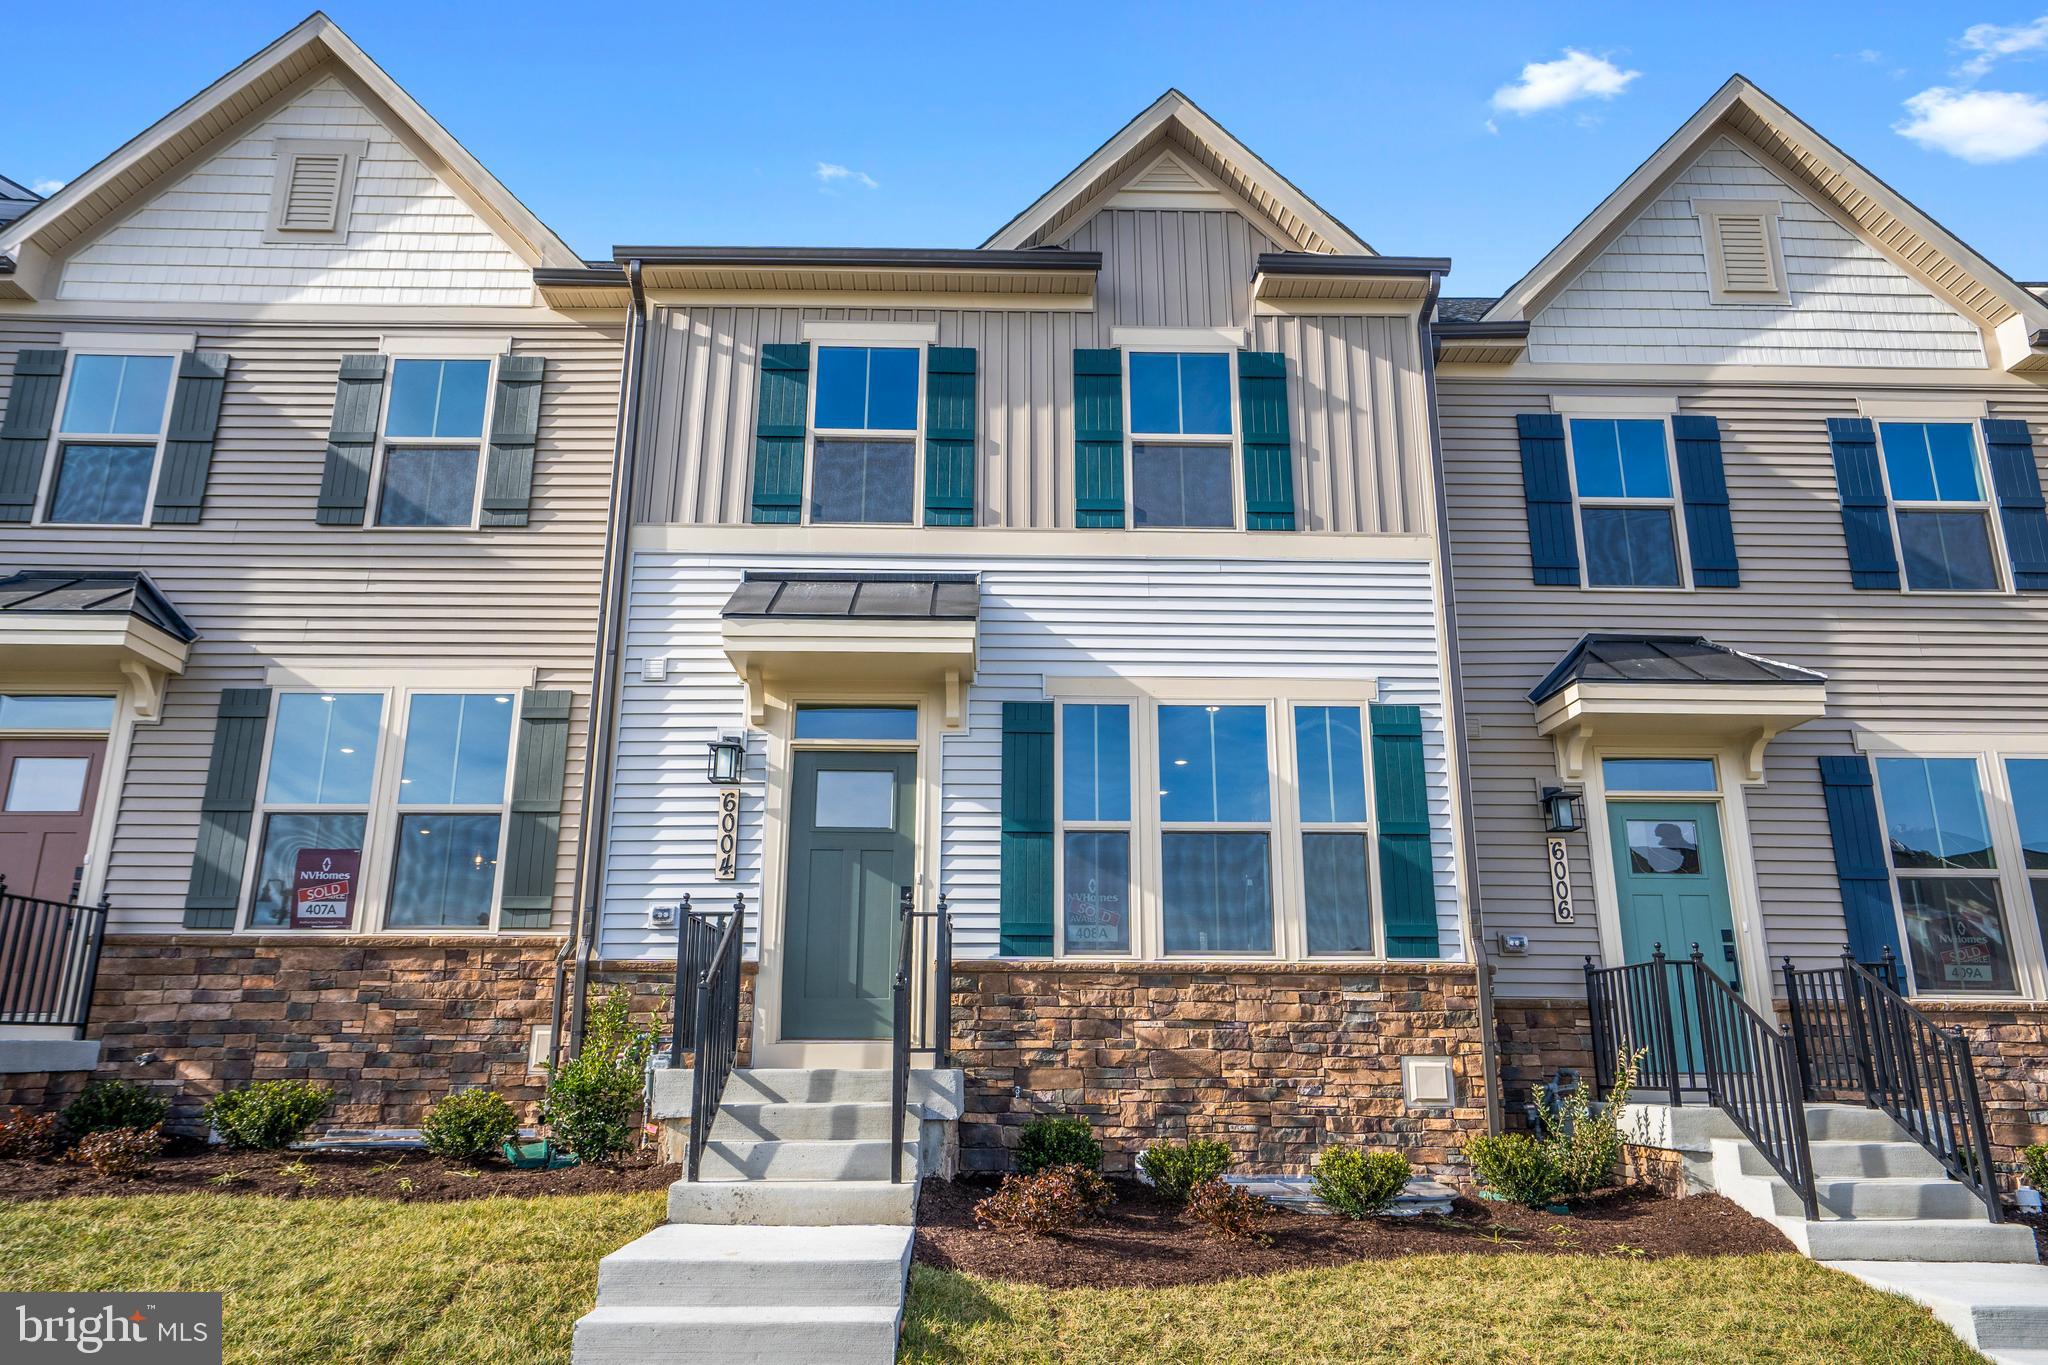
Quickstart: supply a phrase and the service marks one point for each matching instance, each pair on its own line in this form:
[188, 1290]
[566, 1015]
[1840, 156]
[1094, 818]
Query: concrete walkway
[1998, 1307]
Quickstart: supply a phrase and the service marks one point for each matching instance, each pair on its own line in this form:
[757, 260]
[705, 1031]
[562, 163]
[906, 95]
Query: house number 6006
[1560, 881]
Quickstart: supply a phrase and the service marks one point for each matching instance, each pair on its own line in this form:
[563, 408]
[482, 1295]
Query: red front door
[47, 791]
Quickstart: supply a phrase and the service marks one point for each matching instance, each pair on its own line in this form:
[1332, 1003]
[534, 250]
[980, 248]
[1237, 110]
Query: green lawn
[368, 1281]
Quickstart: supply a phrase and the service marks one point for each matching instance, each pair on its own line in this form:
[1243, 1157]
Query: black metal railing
[49, 959]
[924, 956]
[1856, 1031]
[1644, 1007]
[708, 965]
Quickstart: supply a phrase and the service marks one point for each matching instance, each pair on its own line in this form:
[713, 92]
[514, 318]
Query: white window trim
[482, 442]
[867, 339]
[872, 333]
[287, 150]
[1986, 505]
[1676, 503]
[109, 344]
[1710, 212]
[1193, 341]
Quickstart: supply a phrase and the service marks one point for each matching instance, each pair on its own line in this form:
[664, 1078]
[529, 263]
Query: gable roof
[1173, 121]
[1792, 149]
[177, 139]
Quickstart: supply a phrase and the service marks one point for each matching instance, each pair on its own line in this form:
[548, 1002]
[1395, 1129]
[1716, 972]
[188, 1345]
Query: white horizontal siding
[411, 239]
[1040, 618]
[1644, 299]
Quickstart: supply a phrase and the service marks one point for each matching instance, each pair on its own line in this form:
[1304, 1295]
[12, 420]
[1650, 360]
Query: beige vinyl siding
[1894, 661]
[264, 585]
[1360, 414]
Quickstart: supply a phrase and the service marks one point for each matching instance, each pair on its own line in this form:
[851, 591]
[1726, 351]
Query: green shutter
[351, 441]
[228, 808]
[25, 436]
[1098, 438]
[515, 422]
[1401, 812]
[1027, 829]
[949, 436]
[1268, 446]
[188, 444]
[533, 834]
[779, 429]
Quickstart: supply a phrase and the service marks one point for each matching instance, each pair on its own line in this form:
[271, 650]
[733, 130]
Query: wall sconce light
[1564, 812]
[727, 762]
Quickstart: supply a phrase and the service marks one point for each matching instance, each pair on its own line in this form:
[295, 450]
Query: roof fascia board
[854, 258]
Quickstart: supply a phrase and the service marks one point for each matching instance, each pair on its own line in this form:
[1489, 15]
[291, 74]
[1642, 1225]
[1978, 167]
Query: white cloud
[1990, 42]
[831, 174]
[1548, 85]
[46, 188]
[1977, 125]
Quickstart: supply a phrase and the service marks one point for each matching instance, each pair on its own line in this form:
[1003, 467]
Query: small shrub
[1057, 1141]
[121, 1153]
[1584, 1146]
[1358, 1183]
[268, 1116]
[25, 1136]
[2034, 1166]
[1228, 1210]
[1047, 1201]
[469, 1125]
[105, 1105]
[1177, 1169]
[1518, 1167]
[593, 1099]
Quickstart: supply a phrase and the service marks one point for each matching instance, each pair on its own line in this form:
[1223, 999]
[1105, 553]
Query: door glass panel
[283, 836]
[56, 713]
[856, 722]
[48, 784]
[1663, 847]
[324, 749]
[1216, 895]
[1658, 774]
[1955, 931]
[1096, 900]
[855, 799]
[1337, 892]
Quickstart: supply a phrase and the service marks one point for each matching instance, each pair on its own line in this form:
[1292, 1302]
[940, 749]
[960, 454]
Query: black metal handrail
[1825, 1026]
[49, 960]
[715, 1020]
[1753, 1077]
[1641, 1007]
[913, 1030]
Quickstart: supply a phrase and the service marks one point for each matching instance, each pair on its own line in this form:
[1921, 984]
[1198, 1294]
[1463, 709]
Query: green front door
[850, 855]
[1672, 883]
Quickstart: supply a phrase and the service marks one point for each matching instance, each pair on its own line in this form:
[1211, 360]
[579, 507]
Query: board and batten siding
[1040, 618]
[1359, 410]
[263, 585]
[1895, 661]
[1645, 300]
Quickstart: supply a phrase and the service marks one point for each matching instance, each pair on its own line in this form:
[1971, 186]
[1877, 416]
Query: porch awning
[81, 620]
[801, 628]
[1681, 689]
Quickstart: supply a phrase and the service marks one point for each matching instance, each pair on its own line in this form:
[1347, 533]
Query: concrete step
[1838, 1157]
[1882, 1197]
[693, 1265]
[806, 1085]
[725, 1336]
[1851, 1123]
[1910, 1239]
[754, 1159]
[2001, 1309]
[843, 1121]
[794, 1203]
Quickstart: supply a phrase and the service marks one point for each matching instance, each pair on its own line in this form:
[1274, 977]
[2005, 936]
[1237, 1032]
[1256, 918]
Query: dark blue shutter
[2017, 481]
[1026, 921]
[1268, 443]
[1709, 531]
[1860, 853]
[1866, 516]
[25, 436]
[228, 809]
[780, 424]
[1401, 812]
[1098, 438]
[1547, 491]
[949, 436]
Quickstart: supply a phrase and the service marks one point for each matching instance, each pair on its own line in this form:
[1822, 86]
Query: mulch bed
[2037, 1221]
[193, 1168]
[1143, 1242]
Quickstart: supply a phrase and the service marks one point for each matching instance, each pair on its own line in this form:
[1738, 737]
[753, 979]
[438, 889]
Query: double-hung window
[316, 790]
[1627, 502]
[1336, 850]
[451, 799]
[1216, 829]
[1946, 870]
[864, 422]
[1182, 440]
[432, 449]
[109, 434]
[2028, 780]
[1940, 510]
[1095, 813]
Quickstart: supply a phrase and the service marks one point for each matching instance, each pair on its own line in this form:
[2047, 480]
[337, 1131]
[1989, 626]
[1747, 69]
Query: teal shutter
[25, 437]
[515, 427]
[188, 444]
[1401, 811]
[1866, 513]
[227, 809]
[949, 436]
[2017, 481]
[1860, 856]
[1709, 529]
[1268, 445]
[351, 441]
[533, 833]
[780, 422]
[1027, 829]
[1547, 496]
[1098, 438]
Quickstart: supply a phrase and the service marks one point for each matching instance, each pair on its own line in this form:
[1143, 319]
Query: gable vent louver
[1168, 174]
[312, 198]
[1746, 254]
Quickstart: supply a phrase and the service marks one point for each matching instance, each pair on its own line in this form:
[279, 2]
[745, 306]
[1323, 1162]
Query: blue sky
[1482, 132]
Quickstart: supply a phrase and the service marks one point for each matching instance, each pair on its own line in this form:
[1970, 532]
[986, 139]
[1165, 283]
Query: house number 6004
[728, 833]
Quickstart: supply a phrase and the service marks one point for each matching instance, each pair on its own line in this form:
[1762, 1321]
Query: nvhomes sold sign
[324, 888]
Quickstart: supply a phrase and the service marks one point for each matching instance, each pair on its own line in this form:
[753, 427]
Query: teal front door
[1672, 883]
[850, 854]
